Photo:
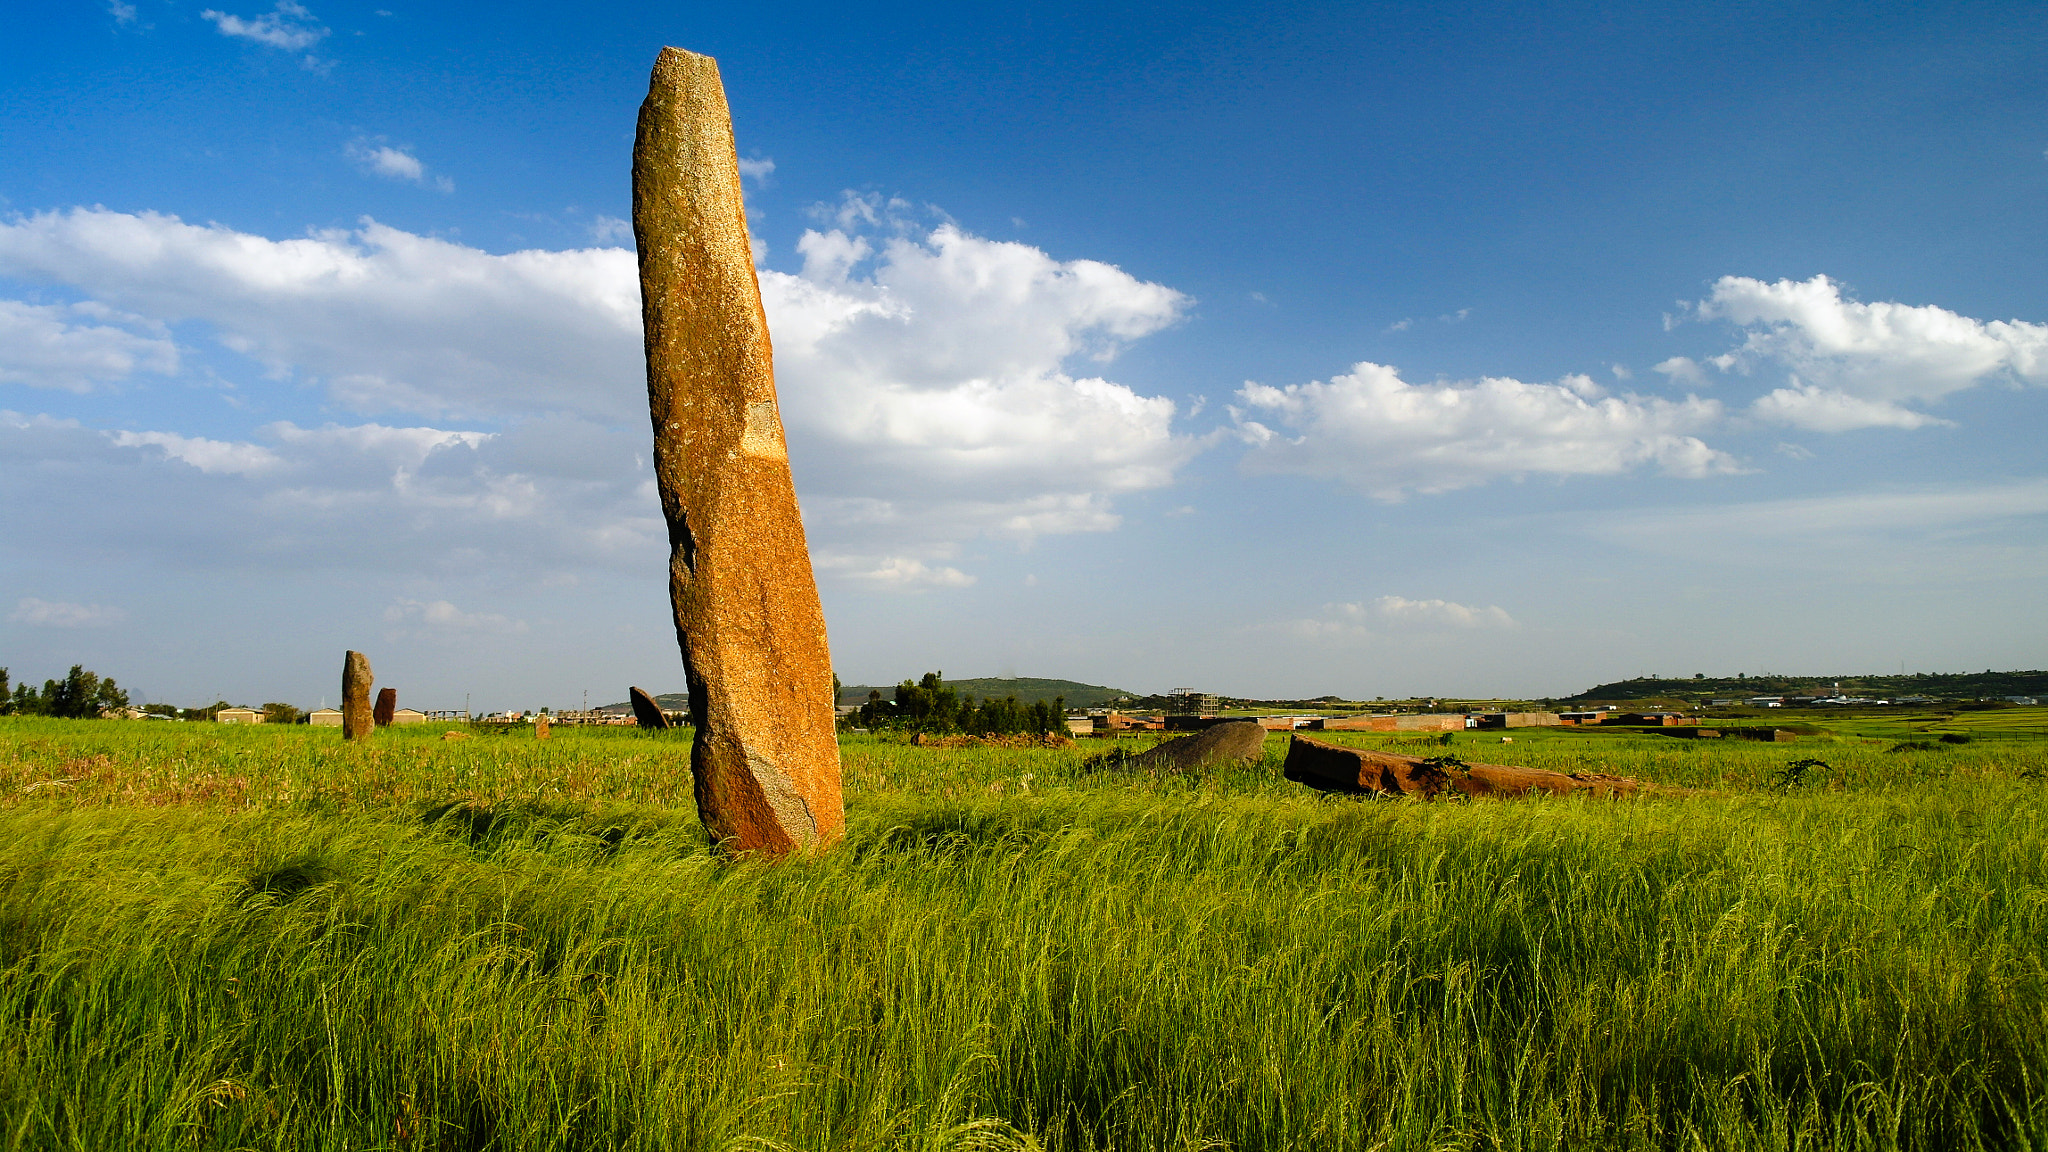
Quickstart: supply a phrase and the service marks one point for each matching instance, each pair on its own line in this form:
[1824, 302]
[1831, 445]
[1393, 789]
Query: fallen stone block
[1221, 744]
[1358, 771]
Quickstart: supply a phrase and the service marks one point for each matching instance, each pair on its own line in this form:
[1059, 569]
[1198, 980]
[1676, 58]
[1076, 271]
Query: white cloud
[45, 346]
[386, 320]
[388, 161]
[1685, 371]
[1377, 432]
[213, 456]
[901, 572]
[1387, 614]
[1829, 410]
[756, 169]
[122, 13]
[1856, 365]
[924, 377]
[416, 616]
[925, 388]
[1399, 610]
[379, 159]
[545, 496]
[288, 26]
[611, 230]
[59, 614]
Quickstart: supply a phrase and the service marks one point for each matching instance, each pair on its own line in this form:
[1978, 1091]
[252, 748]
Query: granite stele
[766, 760]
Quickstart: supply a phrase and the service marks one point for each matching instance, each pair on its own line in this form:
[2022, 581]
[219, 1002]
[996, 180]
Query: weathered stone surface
[357, 722]
[540, 727]
[646, 711]
[766, 759]
[387, 706]
[1221, 744]
[1358, 770]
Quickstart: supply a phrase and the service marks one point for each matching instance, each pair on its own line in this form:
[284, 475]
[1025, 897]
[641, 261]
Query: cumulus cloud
[61, 346]
[1858, 365]
[931, 362]
[60, 614]
[385, 320]
[757, 169]
[289, 26]
[932, 381]
[1379, 433]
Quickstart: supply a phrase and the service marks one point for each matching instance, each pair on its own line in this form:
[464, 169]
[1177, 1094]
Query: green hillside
[1027, 690]
[1940, 685]
[669, 701]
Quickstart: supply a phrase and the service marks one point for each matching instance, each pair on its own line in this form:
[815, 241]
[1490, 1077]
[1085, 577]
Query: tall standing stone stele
[357, 718]
[765, 759]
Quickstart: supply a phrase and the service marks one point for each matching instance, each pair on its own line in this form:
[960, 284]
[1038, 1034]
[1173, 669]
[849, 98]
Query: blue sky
[1453, 349]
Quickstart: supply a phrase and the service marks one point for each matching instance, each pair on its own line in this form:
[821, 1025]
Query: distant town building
[238, 716]
[324, 717]
[408, 716]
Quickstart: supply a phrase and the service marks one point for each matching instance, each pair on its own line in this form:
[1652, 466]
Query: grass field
[216, 937]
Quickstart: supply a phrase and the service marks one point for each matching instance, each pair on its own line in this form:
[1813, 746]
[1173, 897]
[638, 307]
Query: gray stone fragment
[1222, 744]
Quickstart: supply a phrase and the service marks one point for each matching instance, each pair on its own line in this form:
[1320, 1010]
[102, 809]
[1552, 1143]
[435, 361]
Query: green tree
[81, 695]
[276, 713]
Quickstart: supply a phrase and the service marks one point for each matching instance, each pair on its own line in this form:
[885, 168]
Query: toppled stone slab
[765, 761]
[1358, 771]
[387, 707]
[357, 720]
[1221, 744]
[646, 711]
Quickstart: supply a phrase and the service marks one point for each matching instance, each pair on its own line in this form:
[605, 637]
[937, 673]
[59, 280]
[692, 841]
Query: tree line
[86, 695]
[81, 695]
[929, 705]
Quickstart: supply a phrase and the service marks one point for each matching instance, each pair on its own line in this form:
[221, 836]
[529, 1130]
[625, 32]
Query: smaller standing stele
[765, 756]
[358, 719]
[647, 710]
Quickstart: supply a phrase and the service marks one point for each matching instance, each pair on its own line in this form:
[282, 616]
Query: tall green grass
[510, 944]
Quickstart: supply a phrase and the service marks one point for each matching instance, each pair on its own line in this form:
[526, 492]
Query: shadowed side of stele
[765, 758]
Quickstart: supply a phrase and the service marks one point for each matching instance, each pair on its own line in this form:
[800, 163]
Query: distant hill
[669, 701]
[1941, 685]
[1027, 690]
